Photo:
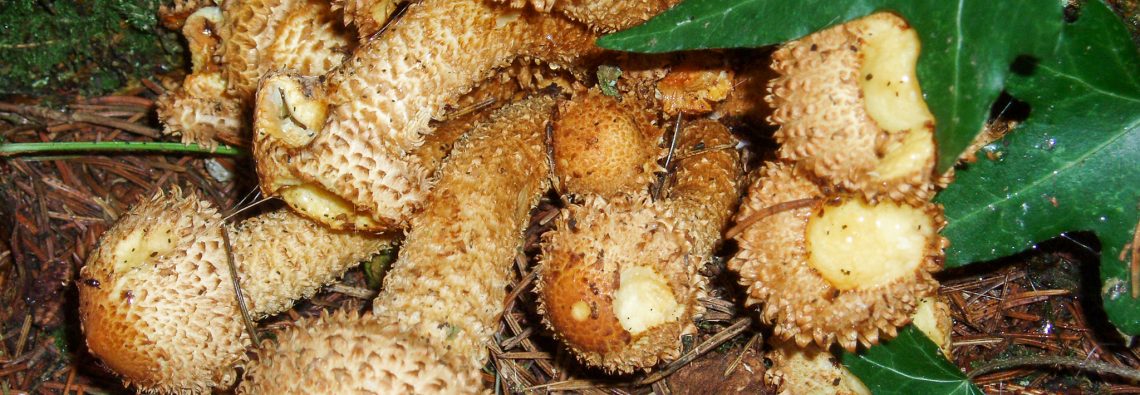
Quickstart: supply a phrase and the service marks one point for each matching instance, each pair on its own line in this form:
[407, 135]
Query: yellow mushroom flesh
[856, 245]
[850, 108]
[857, 269]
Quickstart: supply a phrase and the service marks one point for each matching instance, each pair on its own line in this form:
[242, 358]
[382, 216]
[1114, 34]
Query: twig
[246, 318]
[60, 116]
[766, 212]
[359, 293]
[19, 149]
[736, 361]
[1057, 361]
[727, 334]
[668, 159]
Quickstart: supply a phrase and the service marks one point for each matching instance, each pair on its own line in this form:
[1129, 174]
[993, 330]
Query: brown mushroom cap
[613, 284]
[812, 370]
[156, 298]
[603, 16]
[345, 353]
[695, 85]
[809, 370]
[850, 109]
[602, 146]
[857, 269]
[156, 289]
[618, 278]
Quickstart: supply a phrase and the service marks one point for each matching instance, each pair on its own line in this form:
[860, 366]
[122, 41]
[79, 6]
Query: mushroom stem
[382, 100]
[444, 294]
[157, 301]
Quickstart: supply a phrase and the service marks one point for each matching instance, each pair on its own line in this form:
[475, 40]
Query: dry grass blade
[727, 334]
[59, 116]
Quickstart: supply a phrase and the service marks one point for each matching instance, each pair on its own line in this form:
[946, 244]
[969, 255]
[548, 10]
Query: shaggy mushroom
[834, 268]
[156, 298]
[603, 146]
[618, 281]
[812, 370]
[231, 46]
[347, 136]
[443, 296]
[850, 109]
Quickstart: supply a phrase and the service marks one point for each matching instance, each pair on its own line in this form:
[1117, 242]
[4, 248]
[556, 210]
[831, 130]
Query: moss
[87, 47]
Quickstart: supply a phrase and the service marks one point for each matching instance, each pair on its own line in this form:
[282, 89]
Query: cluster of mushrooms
[439, 130]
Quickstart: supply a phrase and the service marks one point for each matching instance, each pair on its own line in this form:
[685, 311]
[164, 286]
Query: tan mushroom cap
[614, 285]
[696, 84]
[380, 102]
[232, 46]
[158, 275]
[850, 109]
[618, 278]
[345, 353]
[367, 16]
[602, 146]
[812, 370]
[156, 298]
[603, 16]
[857, 269]
[809, 370]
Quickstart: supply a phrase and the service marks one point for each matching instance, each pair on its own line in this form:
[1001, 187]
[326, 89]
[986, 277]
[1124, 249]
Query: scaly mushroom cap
[249, 38]
[840, 270]
[695, 85]
[345, 353]
[368, 16]
[605, 16]
[809, 370]
[199, 109]
[379, 103]
[157, 301]
[618, 279]
[263, 35]
[615, 283]
[812, 370]
[933, 318]
[602, 146]
[850, 109]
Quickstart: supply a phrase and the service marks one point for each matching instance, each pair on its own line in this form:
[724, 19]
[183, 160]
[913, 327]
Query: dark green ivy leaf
[908, 364]
[1074, 165]
[968, 45]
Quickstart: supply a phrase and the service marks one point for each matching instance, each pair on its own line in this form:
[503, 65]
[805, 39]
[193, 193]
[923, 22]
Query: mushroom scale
[348, 137]
[231, 46]
[812, 370]
[603, 16]
[157, 302]
[840, 269]
[603, 146]
[850, 109]
[444, 295]
[618, 281]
